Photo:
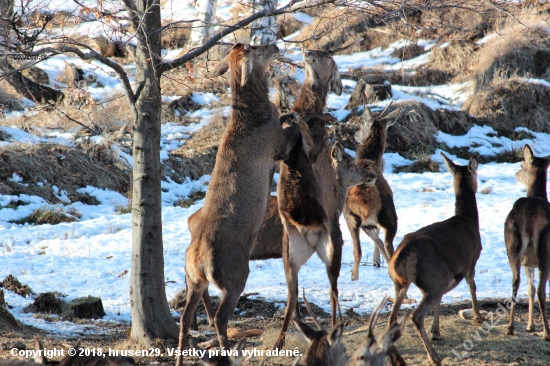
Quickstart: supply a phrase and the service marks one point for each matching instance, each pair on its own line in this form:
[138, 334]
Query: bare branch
[290, 8]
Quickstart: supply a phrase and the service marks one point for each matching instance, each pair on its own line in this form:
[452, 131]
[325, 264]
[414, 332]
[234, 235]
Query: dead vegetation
[49, 215]
[456, 57]
[511, 103]
[423, 165]
[43, 166]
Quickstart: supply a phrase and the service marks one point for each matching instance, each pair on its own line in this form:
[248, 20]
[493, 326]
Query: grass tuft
[49, 215]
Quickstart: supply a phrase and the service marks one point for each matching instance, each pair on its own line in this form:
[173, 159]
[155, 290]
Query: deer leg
[541, 292]
[296, 251]
[354, 226]
[208, 307]
[472, 286]
[515, 266]
[373, 233]
[332, 257]
[400, 294]
[389, 235]
[194, 294]
[417, 316]
[297, 310]
[228, 303]
[530, 274]
[436, 334]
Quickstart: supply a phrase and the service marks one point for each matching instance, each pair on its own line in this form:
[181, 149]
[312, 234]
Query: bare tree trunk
[264, 30]
[203, 29]
[151, 318]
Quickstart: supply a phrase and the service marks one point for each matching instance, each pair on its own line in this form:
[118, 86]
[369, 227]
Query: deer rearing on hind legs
[371, 208]
[236, 200]
[527, 237]
[438, 256]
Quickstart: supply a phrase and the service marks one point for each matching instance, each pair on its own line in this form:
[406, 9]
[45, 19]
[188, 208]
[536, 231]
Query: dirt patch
[11, 283]
[42, 166]
[511, 103]
[197, 157]
[522, 53]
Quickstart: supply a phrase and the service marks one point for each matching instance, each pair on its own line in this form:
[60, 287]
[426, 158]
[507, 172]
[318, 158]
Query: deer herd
[240, 221]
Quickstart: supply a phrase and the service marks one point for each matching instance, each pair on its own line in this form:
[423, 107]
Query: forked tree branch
[289, 8]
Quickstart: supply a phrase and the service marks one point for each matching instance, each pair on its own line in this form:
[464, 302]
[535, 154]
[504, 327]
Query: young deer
[527, 237]
[236, 200]
[325, 348]
[311, 199]
[438, 256]
[380, 351]
[371, 208]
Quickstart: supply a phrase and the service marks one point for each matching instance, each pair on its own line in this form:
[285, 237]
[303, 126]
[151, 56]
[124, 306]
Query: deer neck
[466, 204]
[298, 168]
[538, 187]
[252, 98]
[372, 148]
[312, 98]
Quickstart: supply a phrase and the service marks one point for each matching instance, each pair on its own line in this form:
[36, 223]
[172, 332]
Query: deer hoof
[510, 330]
[530, 328]
[436, 336]
[546, 337]
[354, 275]
[376, 264]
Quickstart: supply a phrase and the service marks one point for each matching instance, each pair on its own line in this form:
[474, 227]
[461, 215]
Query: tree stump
[87, 308]
[369, 89]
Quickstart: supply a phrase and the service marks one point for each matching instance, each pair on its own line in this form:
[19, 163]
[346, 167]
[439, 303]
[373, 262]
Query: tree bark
[264, 30]
[151, 318]
[204, 28]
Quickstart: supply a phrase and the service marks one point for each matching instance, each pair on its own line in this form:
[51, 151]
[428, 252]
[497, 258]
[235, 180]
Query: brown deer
[77, 360]
[310, 203]
[380, 351]
[325, 348]
[321, 77]
[236, 200]
[438, 256]
[527, 237]
[371, 208]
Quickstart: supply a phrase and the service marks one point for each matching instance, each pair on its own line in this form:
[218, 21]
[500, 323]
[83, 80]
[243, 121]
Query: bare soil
[486, 344]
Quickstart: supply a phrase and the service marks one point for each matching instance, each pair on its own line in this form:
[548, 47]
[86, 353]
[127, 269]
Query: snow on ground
[89, 257]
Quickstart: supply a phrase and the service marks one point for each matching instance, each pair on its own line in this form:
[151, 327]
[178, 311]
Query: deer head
[321, 69]
[376, 350]
[463, 175]
[244, 59]
[369, 122]
[531, 167]
[349, 173]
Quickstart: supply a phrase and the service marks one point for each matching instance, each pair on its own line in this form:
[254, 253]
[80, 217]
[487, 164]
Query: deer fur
[236, 200]
[77, 360]
[438, 256]
[310, 204]
[371, 208]
[380, 351]
[527, 237]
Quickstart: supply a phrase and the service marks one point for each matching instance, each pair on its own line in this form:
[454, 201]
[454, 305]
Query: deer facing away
[527, 237]
[438, 256]
[371, 208]
[236, 200]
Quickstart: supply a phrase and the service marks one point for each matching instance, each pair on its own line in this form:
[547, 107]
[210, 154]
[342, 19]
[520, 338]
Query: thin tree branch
[290, 8]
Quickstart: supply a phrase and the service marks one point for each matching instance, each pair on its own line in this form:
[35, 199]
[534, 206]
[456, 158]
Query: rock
[87, 308]
[37, 75]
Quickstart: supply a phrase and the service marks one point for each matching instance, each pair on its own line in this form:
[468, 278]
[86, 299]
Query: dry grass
[511, 103]
[49, 215]
[457, 58]
[521, 53]
[454, 122]
[196, 158]
[409, 51]
[414, 129]
[420, 166]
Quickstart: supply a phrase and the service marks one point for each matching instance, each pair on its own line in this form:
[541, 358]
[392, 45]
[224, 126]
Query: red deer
[527, 236]
[438, 256]
[380, 351]
[77, 360]
[371, 208]
[311, 199]
[236, 199]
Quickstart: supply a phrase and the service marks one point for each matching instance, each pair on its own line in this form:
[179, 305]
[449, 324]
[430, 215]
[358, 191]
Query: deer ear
[393, 334]
[306, 330]
[473, 164]
[528, 154]
[39, 358]
[337, 152]
[239, 348]
[336, 333]
[246, 71]
[220, 69]
[393, 117]
[450, 165]
[336, 82]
